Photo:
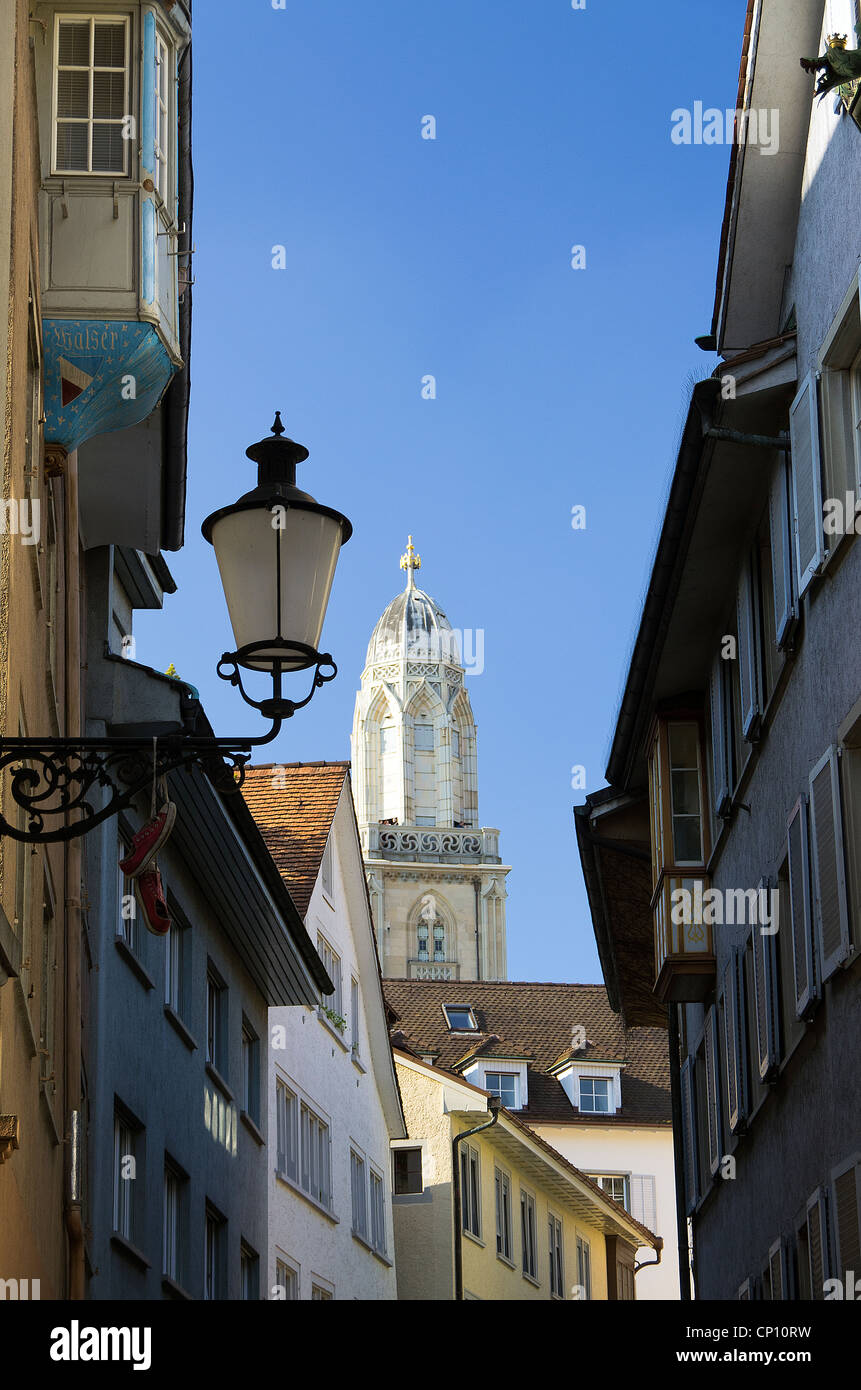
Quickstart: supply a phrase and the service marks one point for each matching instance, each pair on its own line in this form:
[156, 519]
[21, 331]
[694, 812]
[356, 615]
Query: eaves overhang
[764, 188]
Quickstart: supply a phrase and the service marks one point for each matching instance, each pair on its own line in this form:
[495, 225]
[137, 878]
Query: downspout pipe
[476, 883]
[678, 1154]
[651, 1264]
[75, 1135]
[493, 1104]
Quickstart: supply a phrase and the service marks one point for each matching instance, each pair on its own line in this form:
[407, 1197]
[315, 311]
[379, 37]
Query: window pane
[424, 737]
[74, 44]
[73, 94]
[108, 93]
[108, 149]
[71, 146]
[684, 739]
[686, 793]
[687, 842]
[109, 48]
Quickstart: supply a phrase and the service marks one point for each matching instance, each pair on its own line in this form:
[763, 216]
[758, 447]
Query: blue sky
[407, 257]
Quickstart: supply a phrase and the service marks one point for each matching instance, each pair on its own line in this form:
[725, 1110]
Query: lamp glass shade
[262, 556]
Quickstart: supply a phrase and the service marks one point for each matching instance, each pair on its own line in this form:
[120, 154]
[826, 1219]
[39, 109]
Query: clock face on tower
[436, 881]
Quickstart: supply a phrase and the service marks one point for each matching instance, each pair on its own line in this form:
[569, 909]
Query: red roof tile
[294, 805]
[536, 1021]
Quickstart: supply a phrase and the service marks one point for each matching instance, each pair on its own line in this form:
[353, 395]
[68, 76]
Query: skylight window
[460, 1018]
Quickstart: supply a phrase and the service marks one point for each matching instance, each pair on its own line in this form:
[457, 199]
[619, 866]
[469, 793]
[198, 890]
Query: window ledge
[130, 1251]
[505, 1260]
[476, 1239]
[358, 1063]
[410, 1198]
[49, 1108]
[132, 961]
[306, 1196]
[251, 1127]
[215, 1075]
[336, 1032]
[372, 1249]
[530, 1279]
[174, 1289]
[176, 1022]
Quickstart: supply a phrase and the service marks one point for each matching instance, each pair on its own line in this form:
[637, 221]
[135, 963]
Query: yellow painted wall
[424, 1227]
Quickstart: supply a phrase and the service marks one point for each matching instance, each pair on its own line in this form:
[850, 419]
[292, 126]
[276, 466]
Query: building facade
[435, 877]
[559, 1060]
[331, 1089]
[722, 862]
[530, 1226]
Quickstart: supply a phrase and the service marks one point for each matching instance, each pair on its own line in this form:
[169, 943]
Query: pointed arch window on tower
[424, 741]
[431, 940]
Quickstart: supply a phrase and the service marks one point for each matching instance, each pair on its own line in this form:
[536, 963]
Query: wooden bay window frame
[684, 951]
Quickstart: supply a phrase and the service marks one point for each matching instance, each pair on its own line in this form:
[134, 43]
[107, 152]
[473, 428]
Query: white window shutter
[765, 989]
[643, 1200]
[712, 1090]
[721, 789]
[780, 535]
[804, 974]
[831, 911]
[689, 1133]
[748, 652]
[837, 438]
[818, 1250]
[733, 1045]
[806, 484]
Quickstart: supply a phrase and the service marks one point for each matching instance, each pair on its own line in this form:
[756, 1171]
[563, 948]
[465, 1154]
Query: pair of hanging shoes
[140, 865]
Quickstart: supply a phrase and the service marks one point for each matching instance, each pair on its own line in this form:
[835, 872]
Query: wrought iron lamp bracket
[52, 779]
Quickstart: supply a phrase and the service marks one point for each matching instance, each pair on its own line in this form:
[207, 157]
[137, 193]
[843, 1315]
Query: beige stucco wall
[424, 1227]
[32, 1238]
[631, 1149]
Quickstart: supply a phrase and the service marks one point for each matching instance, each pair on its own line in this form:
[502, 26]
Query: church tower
[436, 881]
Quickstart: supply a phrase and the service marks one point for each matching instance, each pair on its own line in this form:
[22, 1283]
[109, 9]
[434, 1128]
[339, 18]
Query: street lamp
[277, 550]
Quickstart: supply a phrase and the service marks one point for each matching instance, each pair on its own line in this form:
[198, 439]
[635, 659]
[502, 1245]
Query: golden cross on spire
[411, 562]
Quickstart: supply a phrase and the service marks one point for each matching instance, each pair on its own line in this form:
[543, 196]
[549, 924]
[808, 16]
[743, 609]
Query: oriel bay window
[91, 95]
[684, 949]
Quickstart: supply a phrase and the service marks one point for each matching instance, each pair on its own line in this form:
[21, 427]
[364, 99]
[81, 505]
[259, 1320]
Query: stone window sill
[251, 1127]
[215, 1075]
[132, 961]
[177, 1024]
[130, 1251]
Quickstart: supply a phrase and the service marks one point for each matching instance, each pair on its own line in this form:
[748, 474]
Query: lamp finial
[277, 427]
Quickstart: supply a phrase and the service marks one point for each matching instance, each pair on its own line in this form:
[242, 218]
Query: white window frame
[172, 1224]
[377, 1208]
[504, 1214]
[603, 1179]
[556, 1254]
[529, 1235]
[315, 1155]
[470, 1161]
[584, 1266]
[292, 1281]
[162, 118]
[327, 872]
[359, 1193]
[591, 1109]
[90, 120]
[804, 426]
[287, 1131]
[508, 1076]
[460, 1008]
[825, 791]
[125, 1146]
[332, 965]
[127, 927]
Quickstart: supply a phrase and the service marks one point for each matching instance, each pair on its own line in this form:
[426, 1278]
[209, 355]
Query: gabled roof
[294, 805]
[536, 1021]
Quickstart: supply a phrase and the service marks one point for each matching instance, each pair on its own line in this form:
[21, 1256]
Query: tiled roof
[536, 1021]
[294, 805]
